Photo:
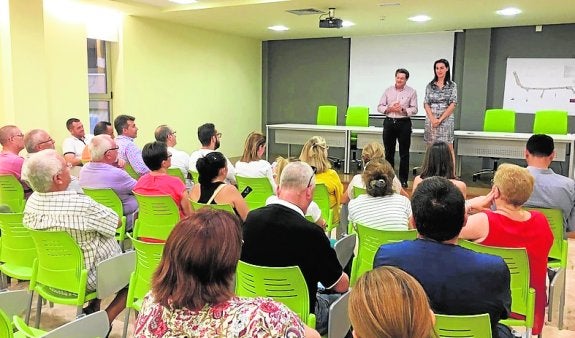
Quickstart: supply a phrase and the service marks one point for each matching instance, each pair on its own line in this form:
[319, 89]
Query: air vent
[306, 11]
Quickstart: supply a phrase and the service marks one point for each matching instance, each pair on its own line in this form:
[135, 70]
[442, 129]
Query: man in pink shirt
[12, 141]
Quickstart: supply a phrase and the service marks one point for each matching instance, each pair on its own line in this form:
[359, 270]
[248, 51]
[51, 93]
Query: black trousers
[400, 130]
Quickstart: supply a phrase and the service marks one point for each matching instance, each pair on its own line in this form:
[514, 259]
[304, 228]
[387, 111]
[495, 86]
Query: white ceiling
[250, 18]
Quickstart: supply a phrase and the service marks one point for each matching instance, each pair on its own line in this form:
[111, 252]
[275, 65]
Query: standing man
[74, 145]
[127, 131]
[398, 103]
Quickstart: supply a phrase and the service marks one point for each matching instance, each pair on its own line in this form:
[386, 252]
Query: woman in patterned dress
[192, 289]
[439, 103]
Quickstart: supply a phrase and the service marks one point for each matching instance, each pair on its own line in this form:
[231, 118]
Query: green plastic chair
[550, 122]
[326, 116]
[128, 168]
[177, 173]
[283, 284]
[557, 259]
[496, 120]
[109, 198]
[261, 190]
[13, 303]
[356, 116]
[321, 198]
[59, 267]
[522, 296]
[358, 191]
[90, 326]
[196, 206]
[17, 249]
[11, 193]
[468, 326]
[195, 176]
[369, 241]
[148, 256]
[157, 216]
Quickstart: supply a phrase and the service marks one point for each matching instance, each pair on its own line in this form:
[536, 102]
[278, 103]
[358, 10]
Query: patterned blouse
[439, 99]
[237, 317]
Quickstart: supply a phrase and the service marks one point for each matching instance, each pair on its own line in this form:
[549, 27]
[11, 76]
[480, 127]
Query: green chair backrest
[148, 256]
[109, 198]
[522, 296]
[128, 168]
[321, 198]
[195, 176]
[356, 116]
[17, 249]
[11, 193]
[327, 116]
[558, 253]
[261, 190]
[284, 284]
[5, 326]
[469, 326]
[550, 122]
[157, 216]
[176, 173]
[225, 207]
[369, 241]
[358, 191]
[499, 120]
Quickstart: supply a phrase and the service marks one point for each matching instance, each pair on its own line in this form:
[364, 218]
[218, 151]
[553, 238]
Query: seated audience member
[380, 208]
[102, 172]
[438, 162]
[74, 145]
[550, 190]
[102, 127]
[12, 141]
[313, 212]
[314, 153]
[476, 282]
[92, 225]
[209, 137]
[129, 152]
[389, 303]
[180, 159]
[511, 226]
[158, 182]
[279, 235]
[370, 152]
[212, 188]
[192, 289]
[251, 164]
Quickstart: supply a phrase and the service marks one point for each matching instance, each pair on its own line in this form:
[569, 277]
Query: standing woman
[439, 103]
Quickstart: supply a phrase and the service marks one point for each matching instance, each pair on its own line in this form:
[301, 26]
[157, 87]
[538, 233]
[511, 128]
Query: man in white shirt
[180, 159]
[209, 137]
[74, 145]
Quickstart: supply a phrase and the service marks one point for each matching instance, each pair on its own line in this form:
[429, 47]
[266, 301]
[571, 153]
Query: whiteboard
[374, 60]
[539, 84]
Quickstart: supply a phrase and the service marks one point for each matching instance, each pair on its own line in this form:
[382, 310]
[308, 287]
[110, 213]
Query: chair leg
[562, 300]
[126, 320]
[38, 311]
[78, 311]
[29, 308]
[3, 282]
[528, 333]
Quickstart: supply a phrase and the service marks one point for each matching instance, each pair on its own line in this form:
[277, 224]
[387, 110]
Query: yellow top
[333, 184]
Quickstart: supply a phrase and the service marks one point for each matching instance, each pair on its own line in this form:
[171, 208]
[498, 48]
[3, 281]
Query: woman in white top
[372, 151]
[251, 163]
[380, 208]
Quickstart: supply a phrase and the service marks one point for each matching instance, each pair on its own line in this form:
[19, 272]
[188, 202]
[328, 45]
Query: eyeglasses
[219, 135]
[18, 135]
[312, 175]
[47, 141]
[173, 133]
[169, 155]
[115, 148]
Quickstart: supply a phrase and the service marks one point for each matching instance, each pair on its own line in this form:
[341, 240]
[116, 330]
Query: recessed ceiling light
[183, 2]
[347, 24]
[510, 11]
[278, 28]
[419, 18]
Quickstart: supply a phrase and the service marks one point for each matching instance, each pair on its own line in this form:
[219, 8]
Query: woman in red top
[511, 226]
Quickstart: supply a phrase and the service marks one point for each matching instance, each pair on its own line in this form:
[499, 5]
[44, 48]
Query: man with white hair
[102, 172]
[280, 235]
[52, 208]
[180, 159]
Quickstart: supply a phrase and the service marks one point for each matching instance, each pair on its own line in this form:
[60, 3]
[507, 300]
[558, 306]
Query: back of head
[70, 122]
[154, 153]
[209, 166]
[515, 183]
[253, 143]
[378, 177]
[389, 303]
[199, 261]
[40, 168]
[314, 153]
[438, 161]
[33, 138]
[99, 145]
[296, 176]
[6, 133]
[438, 209]
[121, 122]
[101, 128]
[540, 145]
[205, 133]
[162, 132]
[372, 151]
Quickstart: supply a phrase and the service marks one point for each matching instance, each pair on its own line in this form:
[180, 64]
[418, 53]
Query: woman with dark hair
[380, 208]
[438, 162]
[251, 164]
[192, 289]
[212, 187]
[157, 181]
[439, 103]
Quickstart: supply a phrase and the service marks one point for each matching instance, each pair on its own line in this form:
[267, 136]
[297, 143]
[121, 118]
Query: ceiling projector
[331, 21]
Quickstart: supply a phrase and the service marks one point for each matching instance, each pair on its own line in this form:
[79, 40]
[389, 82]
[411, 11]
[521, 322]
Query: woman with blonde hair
[251, 164]
[372, 151]
[314, 153]
[389, 303]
